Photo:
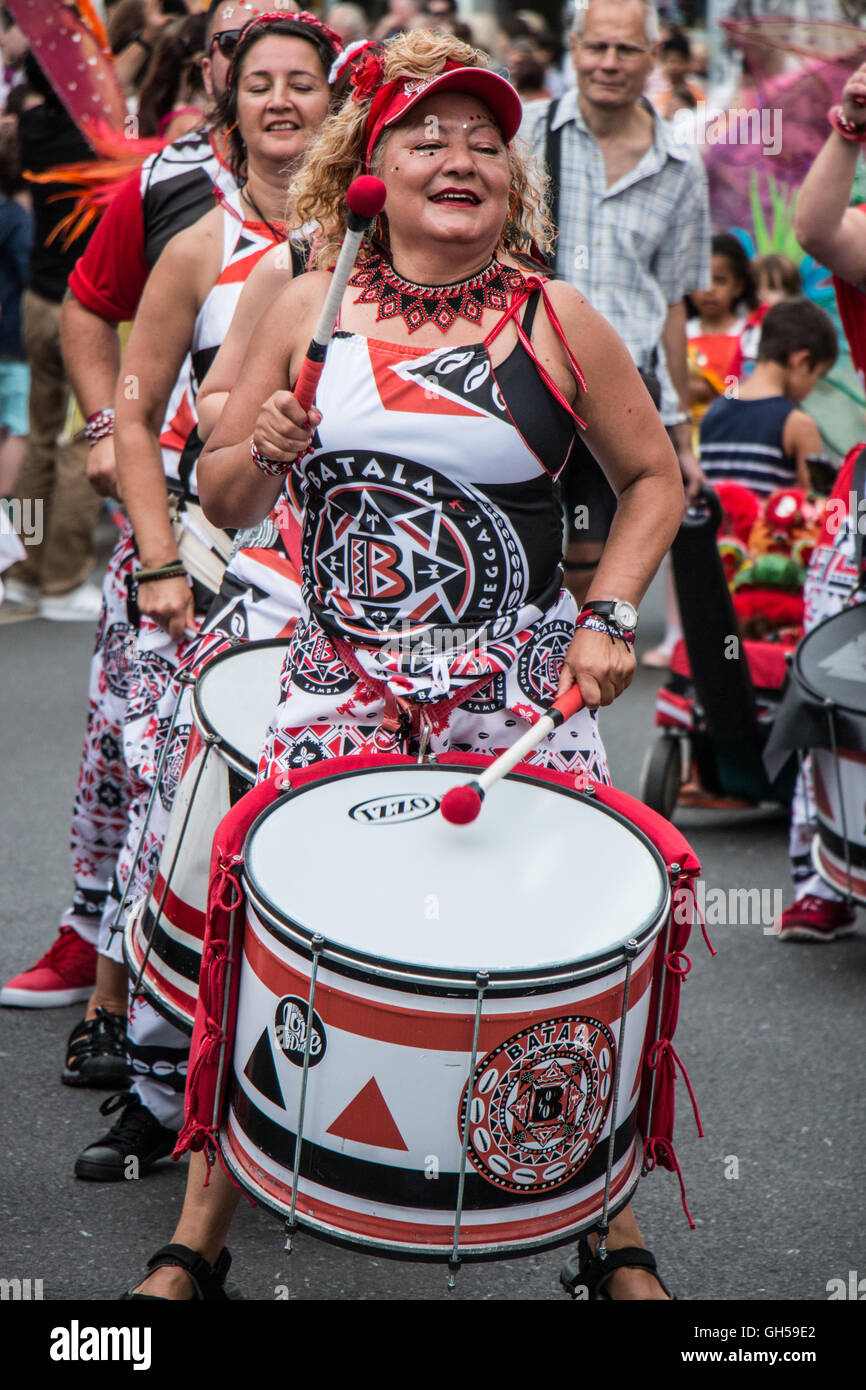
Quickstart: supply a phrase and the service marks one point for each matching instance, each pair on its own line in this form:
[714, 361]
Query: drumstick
[461, 804]
[365, 198]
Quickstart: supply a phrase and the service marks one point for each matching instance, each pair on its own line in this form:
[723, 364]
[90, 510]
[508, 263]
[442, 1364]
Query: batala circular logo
[538, 1103]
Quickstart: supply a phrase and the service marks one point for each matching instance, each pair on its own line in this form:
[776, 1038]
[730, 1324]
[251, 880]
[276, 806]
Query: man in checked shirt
[632, 208]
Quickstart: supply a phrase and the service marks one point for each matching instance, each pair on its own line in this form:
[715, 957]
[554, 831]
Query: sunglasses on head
[226, 42]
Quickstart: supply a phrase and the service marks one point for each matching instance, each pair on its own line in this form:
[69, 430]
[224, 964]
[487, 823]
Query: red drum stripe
[349, 1224]
[833, 870]
[176, 911]
[424, 1028]
[156, 984]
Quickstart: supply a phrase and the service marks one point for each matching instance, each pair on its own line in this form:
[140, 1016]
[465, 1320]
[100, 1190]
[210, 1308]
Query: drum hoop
[804, 681]
[356, 964]
[396, 1250]
[229, 754]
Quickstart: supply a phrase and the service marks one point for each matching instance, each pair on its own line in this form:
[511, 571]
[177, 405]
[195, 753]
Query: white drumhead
[236, 696]
[540, 878]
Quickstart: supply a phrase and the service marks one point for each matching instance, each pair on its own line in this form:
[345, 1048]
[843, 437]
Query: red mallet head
[365, 196]
[461, 804]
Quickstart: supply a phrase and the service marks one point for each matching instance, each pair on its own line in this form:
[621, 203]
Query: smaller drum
[232, 706]
[830, 667]
[440, 1029]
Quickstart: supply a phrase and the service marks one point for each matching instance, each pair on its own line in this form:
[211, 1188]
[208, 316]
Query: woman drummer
[276, 98]
[432, 542]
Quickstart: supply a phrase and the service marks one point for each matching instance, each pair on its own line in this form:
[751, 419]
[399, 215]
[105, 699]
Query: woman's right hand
[169, 603]
[283, 429]
[854, 89]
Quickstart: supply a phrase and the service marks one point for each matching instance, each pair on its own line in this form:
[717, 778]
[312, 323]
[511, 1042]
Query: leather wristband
[173, 571]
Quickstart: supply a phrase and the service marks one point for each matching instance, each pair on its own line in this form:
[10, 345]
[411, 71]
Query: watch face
[625, 615]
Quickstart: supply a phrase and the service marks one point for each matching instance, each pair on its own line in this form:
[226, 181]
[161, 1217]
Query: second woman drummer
[277, 97]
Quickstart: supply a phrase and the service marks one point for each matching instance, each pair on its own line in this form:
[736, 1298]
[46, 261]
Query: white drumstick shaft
[525, 744]
[336, 290]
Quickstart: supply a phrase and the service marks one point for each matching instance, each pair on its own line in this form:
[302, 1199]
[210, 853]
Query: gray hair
[652, 32]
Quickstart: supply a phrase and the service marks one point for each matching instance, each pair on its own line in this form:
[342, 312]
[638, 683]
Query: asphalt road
[772, 1037]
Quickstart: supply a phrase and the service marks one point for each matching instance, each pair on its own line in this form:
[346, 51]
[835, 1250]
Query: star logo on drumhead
[538, 1103]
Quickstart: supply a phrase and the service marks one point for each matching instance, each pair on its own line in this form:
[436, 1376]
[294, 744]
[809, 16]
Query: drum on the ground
[232, 706]
[830, 666]
[452, 1019]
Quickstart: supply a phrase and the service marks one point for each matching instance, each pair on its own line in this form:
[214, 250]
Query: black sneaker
[130, 1149]
[96, 1053]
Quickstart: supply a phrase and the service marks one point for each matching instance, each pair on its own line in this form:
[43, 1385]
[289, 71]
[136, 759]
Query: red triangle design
[367, 1120]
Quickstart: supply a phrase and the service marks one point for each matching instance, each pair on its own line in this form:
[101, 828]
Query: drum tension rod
[629, 951]
[482, 981]
[208, 742]
[316, 945]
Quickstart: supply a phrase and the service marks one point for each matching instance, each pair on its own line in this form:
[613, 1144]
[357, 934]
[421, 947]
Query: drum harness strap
[405, 718]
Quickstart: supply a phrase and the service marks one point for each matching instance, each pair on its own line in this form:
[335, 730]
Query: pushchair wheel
[660, 776]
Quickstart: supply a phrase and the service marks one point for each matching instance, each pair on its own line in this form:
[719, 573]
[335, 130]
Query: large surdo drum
[453, 1019]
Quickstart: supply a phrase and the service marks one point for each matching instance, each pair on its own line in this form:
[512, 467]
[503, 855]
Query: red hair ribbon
[298, 17]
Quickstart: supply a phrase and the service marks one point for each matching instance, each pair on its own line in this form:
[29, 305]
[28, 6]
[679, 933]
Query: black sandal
[207, 1280]
[586, 1271]
[96, 1053]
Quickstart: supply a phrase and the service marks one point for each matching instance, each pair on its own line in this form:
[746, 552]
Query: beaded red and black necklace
[492, 288]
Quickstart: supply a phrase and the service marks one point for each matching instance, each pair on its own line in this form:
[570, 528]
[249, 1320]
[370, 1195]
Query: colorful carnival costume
[431, 547]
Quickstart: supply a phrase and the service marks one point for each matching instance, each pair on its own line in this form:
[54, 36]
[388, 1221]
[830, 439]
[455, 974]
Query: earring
[226, 141]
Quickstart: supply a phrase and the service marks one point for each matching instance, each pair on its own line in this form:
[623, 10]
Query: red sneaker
[66, 974]
[811, 918]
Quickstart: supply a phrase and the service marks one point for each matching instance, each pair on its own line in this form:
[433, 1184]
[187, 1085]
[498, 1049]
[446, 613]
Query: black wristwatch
[616, 610]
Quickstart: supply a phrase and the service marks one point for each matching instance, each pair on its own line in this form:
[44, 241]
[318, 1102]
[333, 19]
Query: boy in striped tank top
[759, 438]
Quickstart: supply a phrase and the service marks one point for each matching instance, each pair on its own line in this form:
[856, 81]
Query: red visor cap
[493, 90]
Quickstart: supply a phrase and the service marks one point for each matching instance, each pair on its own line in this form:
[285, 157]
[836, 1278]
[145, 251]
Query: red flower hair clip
[367, 77]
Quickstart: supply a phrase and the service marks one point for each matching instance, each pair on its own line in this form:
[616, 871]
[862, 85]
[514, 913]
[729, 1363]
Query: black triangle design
[260, 1070]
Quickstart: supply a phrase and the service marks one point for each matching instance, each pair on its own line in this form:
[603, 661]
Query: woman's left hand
[602, 668]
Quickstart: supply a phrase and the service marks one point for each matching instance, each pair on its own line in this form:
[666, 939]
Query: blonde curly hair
[336, 156]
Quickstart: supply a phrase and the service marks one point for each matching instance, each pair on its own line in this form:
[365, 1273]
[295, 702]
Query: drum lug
[603, 1230]
[453, 1267]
